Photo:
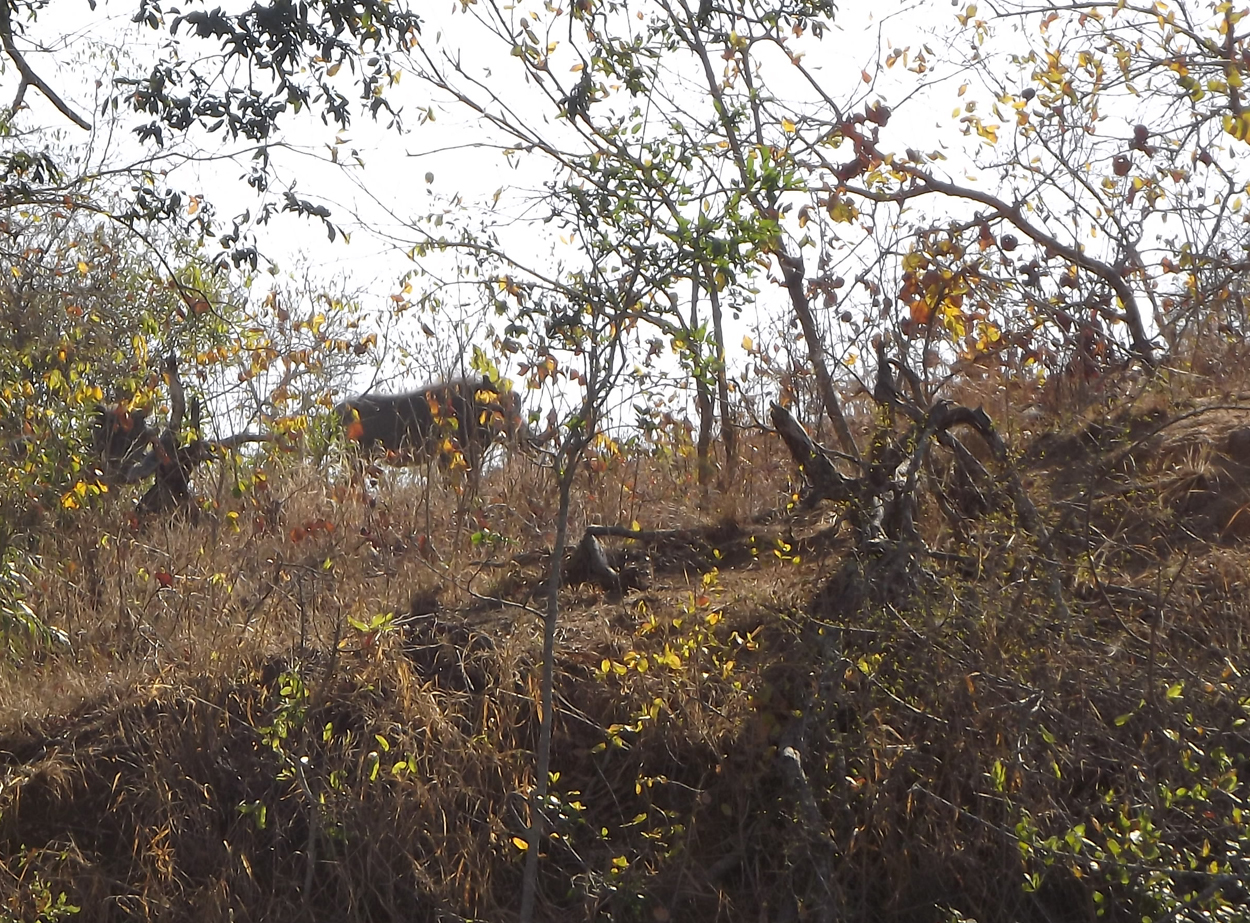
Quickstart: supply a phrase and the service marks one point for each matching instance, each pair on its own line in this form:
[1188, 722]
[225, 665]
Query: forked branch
[29, 76]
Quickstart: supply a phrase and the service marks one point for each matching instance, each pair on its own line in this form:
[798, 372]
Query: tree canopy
[1080, 199]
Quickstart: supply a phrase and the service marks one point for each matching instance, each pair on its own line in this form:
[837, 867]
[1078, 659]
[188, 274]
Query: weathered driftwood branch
[812, 820]
[589, 564]
[824, 479]
[883, 499]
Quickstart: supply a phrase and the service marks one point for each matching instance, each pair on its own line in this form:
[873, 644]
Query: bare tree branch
[29, 77]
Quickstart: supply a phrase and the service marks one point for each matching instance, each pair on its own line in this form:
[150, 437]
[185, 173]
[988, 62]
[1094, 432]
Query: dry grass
[244, 657]
[241, 732]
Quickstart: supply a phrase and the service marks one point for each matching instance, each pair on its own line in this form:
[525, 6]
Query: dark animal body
[120, 439]
[439, 422]
[129, 449]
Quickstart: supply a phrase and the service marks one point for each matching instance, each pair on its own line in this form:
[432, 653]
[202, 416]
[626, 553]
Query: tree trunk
[728, 434]
[538, 796]
[703, 395]
[793, 272]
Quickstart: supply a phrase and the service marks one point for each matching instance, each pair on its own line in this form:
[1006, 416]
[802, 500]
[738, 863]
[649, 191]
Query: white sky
[395, 164]
[391, 187]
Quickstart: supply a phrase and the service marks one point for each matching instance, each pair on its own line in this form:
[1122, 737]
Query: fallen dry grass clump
[302, 704]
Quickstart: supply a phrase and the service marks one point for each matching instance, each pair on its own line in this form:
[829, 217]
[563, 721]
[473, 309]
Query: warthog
[461, 418]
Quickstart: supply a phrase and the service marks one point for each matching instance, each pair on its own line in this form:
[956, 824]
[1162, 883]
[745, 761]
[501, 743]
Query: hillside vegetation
[868, 537]
[298, 702]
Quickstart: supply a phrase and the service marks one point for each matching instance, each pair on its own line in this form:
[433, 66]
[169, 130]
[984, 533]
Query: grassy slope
[234, 735]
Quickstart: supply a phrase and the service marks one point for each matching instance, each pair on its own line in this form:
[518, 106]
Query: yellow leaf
[913, 261]
[787, 126]
[83, 267]
[520, 843]
[843, 211]
[748, 344]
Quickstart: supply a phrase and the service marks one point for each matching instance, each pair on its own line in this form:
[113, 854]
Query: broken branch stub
[825, 481]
